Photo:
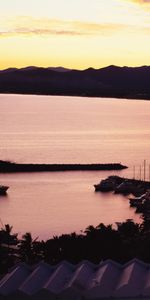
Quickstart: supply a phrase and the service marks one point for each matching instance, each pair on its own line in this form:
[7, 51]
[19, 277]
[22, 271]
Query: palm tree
[7, 237]
[8, 249]
[128, 229]
[26, 248]
[90, 230]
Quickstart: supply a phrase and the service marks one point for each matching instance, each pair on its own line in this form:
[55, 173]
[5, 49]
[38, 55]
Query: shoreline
[77, 95]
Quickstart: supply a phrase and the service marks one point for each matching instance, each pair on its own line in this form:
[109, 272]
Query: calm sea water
[47, 129]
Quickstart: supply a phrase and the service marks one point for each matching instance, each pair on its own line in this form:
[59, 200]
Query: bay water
[59, 129]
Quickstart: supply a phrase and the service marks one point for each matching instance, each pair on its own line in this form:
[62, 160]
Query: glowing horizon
[74, 34]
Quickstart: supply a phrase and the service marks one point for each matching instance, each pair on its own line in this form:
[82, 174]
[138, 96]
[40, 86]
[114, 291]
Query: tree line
[126, 241]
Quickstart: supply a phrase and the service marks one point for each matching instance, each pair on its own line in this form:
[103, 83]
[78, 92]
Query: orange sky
[74, 33]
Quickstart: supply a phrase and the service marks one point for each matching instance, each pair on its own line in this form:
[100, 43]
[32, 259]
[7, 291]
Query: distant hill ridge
[111, 81]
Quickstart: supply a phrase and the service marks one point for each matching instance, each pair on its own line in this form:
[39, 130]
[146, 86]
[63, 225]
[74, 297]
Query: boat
[3, 189]
[141, 203]
[145, 196]
[109, 184]
[104, 186]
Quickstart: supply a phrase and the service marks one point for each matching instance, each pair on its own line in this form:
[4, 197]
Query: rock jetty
[11, 167]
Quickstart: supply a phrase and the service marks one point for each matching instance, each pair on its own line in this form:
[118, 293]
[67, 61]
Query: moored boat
[3, 189]
[109, 184]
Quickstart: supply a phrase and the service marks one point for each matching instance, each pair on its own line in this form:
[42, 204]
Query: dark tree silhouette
[26, 248]
[128, 240]
[8, 248]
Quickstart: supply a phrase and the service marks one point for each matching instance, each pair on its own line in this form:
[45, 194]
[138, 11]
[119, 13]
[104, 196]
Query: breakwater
[11, 167]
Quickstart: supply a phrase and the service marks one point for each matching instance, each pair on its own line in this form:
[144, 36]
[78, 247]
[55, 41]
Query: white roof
[75, 282]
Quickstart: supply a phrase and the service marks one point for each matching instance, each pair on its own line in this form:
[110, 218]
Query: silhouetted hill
[8, 70]
[111, 81]
[59, 69]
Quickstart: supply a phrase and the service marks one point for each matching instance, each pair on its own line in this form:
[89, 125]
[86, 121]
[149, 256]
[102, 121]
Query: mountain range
[111, 81]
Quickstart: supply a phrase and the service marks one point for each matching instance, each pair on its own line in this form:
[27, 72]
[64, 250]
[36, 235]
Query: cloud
[28, 32]
[140, 2]
[27, 26]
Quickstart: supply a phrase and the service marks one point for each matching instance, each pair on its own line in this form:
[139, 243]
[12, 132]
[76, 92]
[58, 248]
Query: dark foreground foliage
[128, 240]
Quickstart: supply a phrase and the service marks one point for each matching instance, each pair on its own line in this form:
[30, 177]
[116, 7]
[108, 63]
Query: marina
[122, 185]
[87, 131]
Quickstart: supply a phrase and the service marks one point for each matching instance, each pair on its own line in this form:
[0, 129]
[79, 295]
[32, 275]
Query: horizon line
[72, 69]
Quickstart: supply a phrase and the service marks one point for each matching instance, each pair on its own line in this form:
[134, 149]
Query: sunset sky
[74, 33]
